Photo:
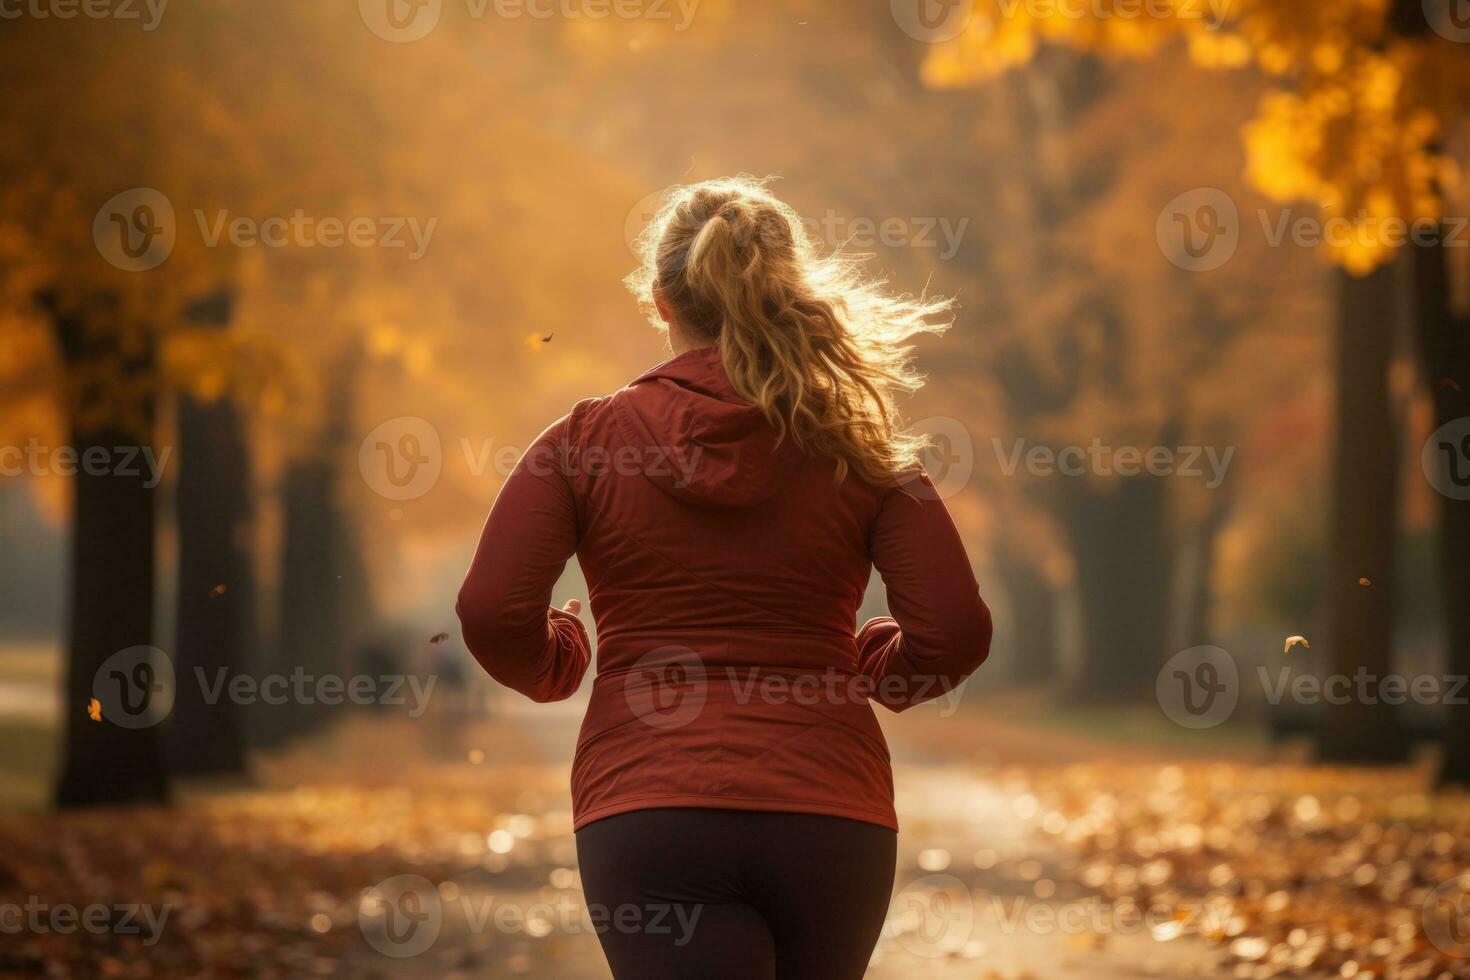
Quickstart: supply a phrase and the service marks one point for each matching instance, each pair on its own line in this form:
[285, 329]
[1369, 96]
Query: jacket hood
[718, 449]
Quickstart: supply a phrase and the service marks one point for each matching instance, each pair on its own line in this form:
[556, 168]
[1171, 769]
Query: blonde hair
[805, 335]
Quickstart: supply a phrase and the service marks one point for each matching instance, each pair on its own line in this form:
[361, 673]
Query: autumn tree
[1361, 97]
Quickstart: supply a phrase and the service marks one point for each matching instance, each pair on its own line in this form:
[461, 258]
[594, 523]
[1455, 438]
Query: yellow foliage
[1353, 126]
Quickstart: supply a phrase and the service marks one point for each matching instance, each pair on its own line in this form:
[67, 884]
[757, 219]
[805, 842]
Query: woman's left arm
[504, 605]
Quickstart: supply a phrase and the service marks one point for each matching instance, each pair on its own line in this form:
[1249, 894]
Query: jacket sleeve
[940, 628]
[504, 605]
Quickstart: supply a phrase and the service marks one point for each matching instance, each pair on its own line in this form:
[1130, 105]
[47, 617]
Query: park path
[978, 894]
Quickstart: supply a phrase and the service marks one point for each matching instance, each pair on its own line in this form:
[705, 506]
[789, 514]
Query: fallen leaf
[94, 710]
[1292, 641]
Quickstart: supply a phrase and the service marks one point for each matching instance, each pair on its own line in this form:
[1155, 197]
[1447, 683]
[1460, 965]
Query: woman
[732, 796]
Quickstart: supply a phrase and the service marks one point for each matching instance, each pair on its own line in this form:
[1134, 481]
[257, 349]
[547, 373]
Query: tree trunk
[1120, 541]
[216, 592]
[1364, 522]
[1032, 609]
[1199, 601]
[1444, 350]
[116, 759]
[310, 627]
[323, 601]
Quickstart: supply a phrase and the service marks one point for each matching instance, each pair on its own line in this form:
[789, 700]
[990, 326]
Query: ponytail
[806, 337]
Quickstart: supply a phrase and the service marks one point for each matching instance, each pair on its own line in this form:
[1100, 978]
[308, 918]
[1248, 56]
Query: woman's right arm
[505, 603]
[940, 629]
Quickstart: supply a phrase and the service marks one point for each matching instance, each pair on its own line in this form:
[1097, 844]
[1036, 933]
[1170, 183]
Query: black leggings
[677, 893]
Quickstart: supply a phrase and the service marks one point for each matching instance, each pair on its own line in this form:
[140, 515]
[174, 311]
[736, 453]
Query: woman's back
[725, 571]
[727, 509]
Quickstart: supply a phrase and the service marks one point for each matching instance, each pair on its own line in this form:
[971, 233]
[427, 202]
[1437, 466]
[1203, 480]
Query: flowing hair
[804, 334]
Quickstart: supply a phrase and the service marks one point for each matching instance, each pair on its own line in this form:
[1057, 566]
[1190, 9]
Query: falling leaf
[547, 338]
[1292, 641]
[217, 591]
[94, 710]
[438, 638]
[1364, 581]
[1450, 383]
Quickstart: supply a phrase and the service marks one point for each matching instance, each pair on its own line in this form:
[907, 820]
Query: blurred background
[286, 287]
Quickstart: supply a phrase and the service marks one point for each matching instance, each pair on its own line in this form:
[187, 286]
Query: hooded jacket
[725, 569]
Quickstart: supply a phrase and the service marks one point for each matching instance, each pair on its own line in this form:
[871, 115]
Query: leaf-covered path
[1031, 857]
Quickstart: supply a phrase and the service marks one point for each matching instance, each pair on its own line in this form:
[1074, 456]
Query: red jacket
[725, 573]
